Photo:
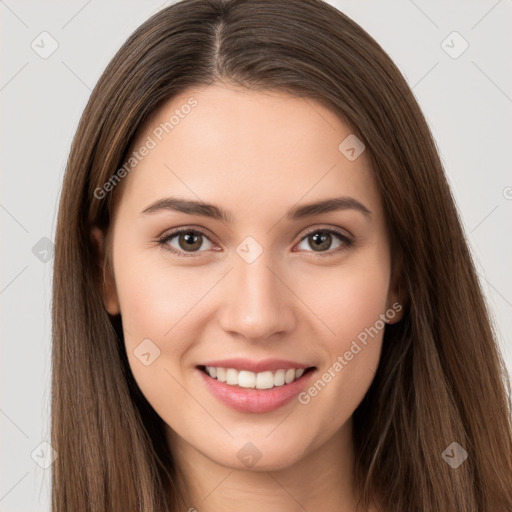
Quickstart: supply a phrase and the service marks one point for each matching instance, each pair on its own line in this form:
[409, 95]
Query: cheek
[361, 301]
[347, 299]
[352, 299]
[157, 304]
[164, 304]
[156, 297]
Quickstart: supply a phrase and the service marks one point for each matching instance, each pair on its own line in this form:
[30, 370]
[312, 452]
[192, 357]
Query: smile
[255, 387]
[252, 380]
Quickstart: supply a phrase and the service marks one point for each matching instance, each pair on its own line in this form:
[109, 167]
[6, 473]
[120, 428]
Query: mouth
[266, 389]
[251, 380]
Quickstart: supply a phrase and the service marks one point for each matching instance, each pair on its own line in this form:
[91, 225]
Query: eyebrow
[298, 212]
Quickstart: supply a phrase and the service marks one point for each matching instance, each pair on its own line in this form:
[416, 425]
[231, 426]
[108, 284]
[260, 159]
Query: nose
[257, 301]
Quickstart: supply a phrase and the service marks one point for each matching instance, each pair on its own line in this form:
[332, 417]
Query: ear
[397, 297]
[105, 274]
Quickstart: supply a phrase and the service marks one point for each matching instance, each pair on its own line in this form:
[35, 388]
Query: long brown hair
[441, 378]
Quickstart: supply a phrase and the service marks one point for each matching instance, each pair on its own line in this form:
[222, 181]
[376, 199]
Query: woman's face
[274, 287]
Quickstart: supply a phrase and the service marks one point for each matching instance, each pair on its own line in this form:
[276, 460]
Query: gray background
[467, 102]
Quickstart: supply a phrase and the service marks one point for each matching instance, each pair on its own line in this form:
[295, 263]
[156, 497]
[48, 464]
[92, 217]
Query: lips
[255, 386]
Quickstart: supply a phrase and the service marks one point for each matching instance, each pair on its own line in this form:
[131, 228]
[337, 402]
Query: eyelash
[347, 242]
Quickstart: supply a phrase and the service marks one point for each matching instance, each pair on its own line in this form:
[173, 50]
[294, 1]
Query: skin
[256, 154]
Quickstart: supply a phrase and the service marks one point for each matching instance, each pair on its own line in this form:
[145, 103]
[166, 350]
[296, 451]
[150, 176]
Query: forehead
[235, 144]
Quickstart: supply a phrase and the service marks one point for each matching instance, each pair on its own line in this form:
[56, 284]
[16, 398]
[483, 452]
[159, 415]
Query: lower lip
[255, 400]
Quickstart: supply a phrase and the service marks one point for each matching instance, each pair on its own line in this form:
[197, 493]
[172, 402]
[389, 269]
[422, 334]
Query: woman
[263, 298]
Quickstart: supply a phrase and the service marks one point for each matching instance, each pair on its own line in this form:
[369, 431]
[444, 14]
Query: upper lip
[256, 366]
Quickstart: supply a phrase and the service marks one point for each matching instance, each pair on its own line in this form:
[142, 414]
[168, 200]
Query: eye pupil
[191, 241]
[320, 240]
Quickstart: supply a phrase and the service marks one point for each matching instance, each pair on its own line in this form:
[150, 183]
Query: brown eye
[183, 241]
[190, 241]
[321, 241]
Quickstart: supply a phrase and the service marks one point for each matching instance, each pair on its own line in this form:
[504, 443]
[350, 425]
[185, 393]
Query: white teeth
[232, 377]
[221, 373]
[265, 380]
[247, 379]
[279, 378]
